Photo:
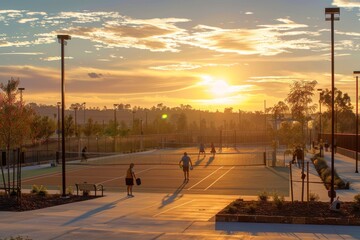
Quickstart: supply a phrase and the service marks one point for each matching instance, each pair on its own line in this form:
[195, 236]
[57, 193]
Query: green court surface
[230, 173]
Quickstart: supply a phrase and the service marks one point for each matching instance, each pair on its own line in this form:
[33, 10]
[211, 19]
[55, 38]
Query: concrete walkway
[170, 216]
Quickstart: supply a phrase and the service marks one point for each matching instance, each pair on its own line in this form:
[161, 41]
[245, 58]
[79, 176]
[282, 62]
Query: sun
[217, 87]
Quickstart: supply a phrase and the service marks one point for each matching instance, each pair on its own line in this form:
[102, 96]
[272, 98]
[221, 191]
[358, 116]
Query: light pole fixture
[62, 40]
[332, 14]
[320, 94]
[21, 89]
[357, 73]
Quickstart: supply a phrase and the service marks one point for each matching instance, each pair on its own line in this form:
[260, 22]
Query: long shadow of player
[172, 197]
[211, 159]
[199, 160]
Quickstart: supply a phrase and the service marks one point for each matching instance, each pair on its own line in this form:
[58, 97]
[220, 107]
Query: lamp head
[64, 37]
[332, 13]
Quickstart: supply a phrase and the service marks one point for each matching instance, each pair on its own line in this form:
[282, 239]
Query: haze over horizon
[208, 54]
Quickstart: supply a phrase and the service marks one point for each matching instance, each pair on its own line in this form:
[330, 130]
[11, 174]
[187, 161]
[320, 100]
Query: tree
[300, 101]
[344, 116]
[42, 128]
[14, 121]
[278, 111]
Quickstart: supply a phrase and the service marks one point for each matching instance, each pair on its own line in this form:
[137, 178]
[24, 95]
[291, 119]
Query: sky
[210, 54]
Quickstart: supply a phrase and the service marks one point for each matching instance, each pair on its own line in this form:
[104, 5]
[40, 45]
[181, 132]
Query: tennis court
[230, 172]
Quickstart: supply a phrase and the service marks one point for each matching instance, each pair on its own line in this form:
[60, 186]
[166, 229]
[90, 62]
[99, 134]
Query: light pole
[58, 125]
[84, 104]
[115, 125]
[332, 14]
[62, 40]
[356, 73]
[21, 89]
[133, 120]
[320, 94]
[75, 110]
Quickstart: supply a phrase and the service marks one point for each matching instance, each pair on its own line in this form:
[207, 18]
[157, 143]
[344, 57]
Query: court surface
[230, 172]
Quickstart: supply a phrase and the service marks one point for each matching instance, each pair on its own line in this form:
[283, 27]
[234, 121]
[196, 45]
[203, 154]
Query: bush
[69, 190]
[278, 200]
[17, 238]
[41, 191]
[314, 197]
[324, 172]
[356, 204]
[357, 199]
[232, 209]
[34, 189]
[250, 209]
[263, 196]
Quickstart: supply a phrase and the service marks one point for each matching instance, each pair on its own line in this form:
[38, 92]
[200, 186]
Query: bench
[86, 188]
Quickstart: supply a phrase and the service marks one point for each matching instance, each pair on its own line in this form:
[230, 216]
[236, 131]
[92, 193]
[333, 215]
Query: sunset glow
[229, 53]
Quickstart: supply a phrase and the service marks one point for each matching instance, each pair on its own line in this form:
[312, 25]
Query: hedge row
[324, 172]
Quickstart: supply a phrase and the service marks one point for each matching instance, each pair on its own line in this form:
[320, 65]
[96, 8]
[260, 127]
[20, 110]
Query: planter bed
[290, 213]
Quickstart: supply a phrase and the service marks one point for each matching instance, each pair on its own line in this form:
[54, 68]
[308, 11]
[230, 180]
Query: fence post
[291, 183]
[265, 158]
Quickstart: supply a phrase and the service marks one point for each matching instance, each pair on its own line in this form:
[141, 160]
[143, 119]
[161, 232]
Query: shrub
[263, 196]
[232, 209]
[35, 189]
[250, 209]
[69, 190]
[278, 200]
[356, 205]
[357, 199]
[314, 197]
[325, 173]
[41, 191]
[17, 238]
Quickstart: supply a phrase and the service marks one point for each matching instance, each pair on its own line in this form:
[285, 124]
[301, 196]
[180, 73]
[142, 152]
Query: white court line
[53, 174]
[219, 178]
[124, 176]
[204, 178]
[174, 208]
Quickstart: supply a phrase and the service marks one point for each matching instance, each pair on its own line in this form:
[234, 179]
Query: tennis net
[162, 157]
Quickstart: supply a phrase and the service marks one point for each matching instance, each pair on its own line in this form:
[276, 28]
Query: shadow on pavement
[170, 198]
[211, 159]
[291, 230]
[95, 211]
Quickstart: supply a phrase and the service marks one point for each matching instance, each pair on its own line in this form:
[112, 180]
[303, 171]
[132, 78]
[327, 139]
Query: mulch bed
[34, 201]
[290, 212]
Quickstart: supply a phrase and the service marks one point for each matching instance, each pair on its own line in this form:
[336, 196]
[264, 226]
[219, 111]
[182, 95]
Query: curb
[351, 221]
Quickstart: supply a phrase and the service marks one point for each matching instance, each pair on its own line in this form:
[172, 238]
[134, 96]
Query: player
[185, 163]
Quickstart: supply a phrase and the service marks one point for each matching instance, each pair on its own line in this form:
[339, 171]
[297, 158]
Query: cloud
[22, 53]
[188, 66]
[158, 35]
[266, 40]
[26, 20]
[55, 58]
[347, 3]
[95, 75]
